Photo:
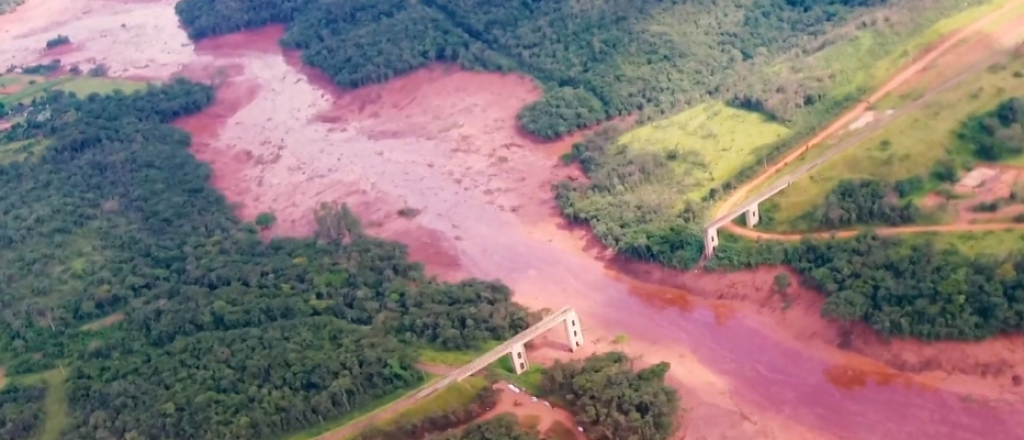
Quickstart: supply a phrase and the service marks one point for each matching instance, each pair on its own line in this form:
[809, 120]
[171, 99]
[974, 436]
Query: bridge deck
[495, 354]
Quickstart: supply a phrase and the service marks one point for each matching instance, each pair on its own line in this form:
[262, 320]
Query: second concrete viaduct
[750, 209]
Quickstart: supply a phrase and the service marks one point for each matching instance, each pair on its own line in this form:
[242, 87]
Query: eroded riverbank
[444, 143]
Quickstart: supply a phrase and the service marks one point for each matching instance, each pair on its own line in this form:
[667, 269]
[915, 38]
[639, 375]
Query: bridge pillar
[753, 215]
[710, 241]
[519, 362]
[573, 330]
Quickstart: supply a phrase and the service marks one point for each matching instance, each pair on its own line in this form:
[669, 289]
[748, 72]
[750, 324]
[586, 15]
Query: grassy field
[32, 86]
[453, 358]
[529, 380]
[453, 396]
[85, 85]
[727, 138]
[19, 151]
[908, 146]
[851, 64]
[995, 242]
[379, 405]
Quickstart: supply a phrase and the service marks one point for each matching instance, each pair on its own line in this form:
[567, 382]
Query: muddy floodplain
[441, 146]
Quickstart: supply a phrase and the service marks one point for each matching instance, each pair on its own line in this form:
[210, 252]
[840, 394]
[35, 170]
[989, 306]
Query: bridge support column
[519, 362]
[710, 241]
[753, 216]
[573, 330]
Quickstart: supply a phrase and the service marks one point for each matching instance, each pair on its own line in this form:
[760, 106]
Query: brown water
[445, 142]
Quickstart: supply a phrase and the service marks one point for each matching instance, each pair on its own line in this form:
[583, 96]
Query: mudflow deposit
[444, 142]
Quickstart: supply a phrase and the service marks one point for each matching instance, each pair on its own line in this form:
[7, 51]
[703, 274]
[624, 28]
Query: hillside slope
[596, 58]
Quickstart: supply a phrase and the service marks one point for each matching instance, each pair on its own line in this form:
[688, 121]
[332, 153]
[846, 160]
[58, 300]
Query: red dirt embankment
[522, 406]
[445, 142]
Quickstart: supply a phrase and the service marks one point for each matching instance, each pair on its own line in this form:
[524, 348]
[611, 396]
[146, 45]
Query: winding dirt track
[845, 120]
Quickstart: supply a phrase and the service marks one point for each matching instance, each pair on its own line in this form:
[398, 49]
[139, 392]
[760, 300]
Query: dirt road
[846, 119]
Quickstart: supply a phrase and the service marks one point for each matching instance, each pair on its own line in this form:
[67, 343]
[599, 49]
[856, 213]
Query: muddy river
[444, 142]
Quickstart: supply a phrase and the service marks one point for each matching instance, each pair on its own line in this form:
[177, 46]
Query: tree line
[597, 60]
[221, 335]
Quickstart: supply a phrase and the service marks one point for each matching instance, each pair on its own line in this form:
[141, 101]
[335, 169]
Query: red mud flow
[444, 143]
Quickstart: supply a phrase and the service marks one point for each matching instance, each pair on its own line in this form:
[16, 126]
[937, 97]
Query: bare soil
[998, 188]
[444, 142]
[105, 322]
[521, 406]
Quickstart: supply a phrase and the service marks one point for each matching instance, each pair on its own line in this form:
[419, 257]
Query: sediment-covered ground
[444, 143]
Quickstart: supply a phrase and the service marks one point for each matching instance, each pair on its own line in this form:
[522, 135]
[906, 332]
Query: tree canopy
[864, 202]
[221, 335]
[21, 412]
[611, 401]
[997, 134]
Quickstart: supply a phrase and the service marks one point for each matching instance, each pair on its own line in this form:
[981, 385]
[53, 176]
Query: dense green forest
[596, 58]
[864, 202]
[611, 401]
[899, 286]
[997, 134]
[176, 321]
[21, 411]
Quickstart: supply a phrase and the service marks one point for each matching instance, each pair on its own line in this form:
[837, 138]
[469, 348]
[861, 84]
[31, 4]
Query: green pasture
[910, 145]
[725, 138]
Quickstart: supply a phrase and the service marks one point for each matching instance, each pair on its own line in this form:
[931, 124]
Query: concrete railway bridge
[515, 348]
[750, 209]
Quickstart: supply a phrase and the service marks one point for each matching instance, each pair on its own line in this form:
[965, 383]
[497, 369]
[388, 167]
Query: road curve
[740, 194]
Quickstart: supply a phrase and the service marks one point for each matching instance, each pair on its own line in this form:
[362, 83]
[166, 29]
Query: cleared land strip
[740, 194]
[862, 134]
[725, 214]
[463, 372]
